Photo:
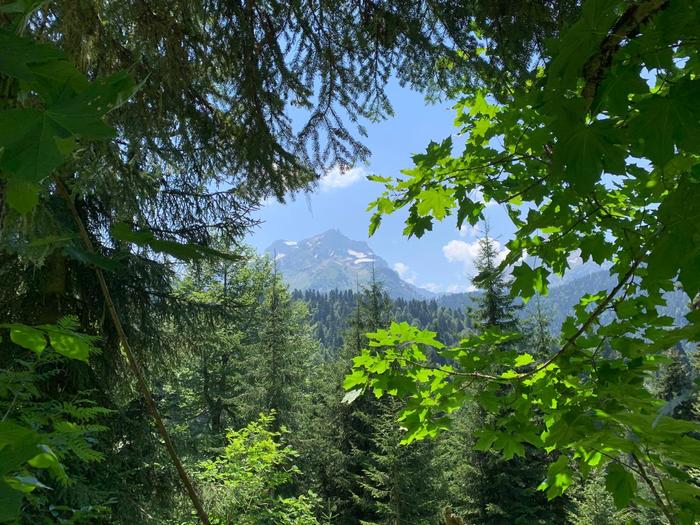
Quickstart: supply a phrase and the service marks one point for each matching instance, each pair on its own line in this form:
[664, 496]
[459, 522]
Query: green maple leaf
[596, 247]
[510, 446]
[528, 281]
[584, 151]
[678, 248]
[523, 360]
[577, 44]
[621, 484]
[665, 122]
[619, 84]
[35, 142]
[31, 153]
[435, 202]
[20, 55]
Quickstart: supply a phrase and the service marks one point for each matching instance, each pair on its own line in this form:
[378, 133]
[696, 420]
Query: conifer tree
[496, 490]
[675, 383]
[278, 360]
[393, 484]
[359, 420]
[494, 306]
[402, 480]
[593, 505]
[212, 338]
[358, 467]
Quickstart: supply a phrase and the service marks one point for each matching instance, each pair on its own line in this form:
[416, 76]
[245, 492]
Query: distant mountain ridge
[332, 261]
[565, 294]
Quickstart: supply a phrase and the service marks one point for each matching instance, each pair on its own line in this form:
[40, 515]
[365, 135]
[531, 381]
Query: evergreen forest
[156, 369]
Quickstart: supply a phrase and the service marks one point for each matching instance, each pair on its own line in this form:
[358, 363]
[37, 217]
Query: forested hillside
[331, 314]
[155, 369]
[561, 299]
[449, 315]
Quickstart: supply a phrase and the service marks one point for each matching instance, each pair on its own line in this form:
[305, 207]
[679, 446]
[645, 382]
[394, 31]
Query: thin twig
[10, 408]
[571, 341]
[659, 501]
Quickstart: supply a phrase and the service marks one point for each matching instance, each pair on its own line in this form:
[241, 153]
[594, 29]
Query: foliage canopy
[596, 155]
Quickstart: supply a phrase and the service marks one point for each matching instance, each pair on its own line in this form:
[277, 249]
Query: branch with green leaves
[23, 449]
[597, 157]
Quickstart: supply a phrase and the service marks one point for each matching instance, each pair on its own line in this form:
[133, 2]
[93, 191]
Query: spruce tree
[593, 505]
[675, 383]
[495, 490]
[352, 452]
[402, 480]
[280, 356]
[392, 483]
[359, 419]
[494, 305]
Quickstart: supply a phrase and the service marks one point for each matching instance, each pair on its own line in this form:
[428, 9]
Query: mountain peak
[332, 260]
[333, 233]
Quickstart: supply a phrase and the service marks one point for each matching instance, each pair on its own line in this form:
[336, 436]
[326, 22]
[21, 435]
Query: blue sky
[443, 259]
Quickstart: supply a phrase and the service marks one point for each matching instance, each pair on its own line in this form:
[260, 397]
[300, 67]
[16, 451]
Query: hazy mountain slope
[560, 301]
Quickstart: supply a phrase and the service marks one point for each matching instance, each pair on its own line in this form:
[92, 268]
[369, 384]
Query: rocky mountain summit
[331, 260]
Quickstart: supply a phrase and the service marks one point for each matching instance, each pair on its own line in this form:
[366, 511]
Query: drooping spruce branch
[134, 364]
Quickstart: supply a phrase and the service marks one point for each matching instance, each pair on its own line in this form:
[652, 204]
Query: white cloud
[460, 251]
[452, 288]
[405, 272]
[460, 288]
[469, 231]
[337, 178]
[465, 253]
[432, 287]
[401, 268]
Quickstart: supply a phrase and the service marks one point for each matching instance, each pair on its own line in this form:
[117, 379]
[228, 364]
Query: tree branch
[571, 341]
[659, 501]
[132, 360]
[627, 26]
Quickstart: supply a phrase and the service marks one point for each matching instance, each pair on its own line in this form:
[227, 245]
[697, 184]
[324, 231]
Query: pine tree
[279, 358]
[496, 490]
[675, 383]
